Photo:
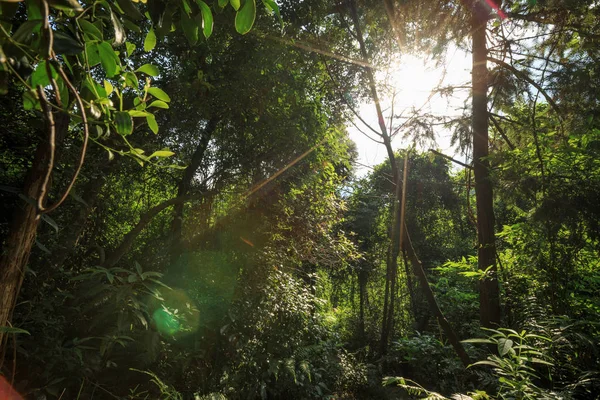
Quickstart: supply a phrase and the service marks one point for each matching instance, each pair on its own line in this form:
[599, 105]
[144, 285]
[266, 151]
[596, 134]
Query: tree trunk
[113, 258]
[489, 296]
[186, 183]
[21, 236]
[433, 305]
[362, 291]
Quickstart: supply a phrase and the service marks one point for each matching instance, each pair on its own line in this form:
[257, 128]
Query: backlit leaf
[123, 123]
[159, 94]
[244, 18]
[150, 40]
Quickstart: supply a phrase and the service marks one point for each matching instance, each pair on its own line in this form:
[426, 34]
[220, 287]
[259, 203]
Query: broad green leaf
[151, 120]
[131, 80]
[66, 5]
[131, 26]
[149, 69]
[190, 28]
[123, 123]
[108, 87]
[108, 59]
[223, 3]
[159, 94]
[39, 77]
[504, 346]
[130, 9]
[150, 40]
[64, 43]
[186, 7]
[244, 18]
[273, 7]
[27, 29]
[30, 100]
[235, 4]
[93, 54]
[159, 104]
[207, 19]
[162, 153]
[130, 47]
[90, 29]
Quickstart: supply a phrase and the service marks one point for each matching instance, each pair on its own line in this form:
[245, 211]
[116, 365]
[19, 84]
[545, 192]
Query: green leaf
[235, 4]
[504, 346]
[130, 48]
[108, 87]
[30, 100]
[159, 104]
[186, 7]
[90, 29]
[149, 69]
[151, 120]
[485, 362]
[137, 113]
[150, 40]
[486, 341]
[272, 7]
[39, 77]
[207, 19]
[108, 59]
[10, 329]
[190, 28]
[42, 247]
[244, 18]
[66, 5]
[130, 10]
[93, 55]
[64, 43]
[159, 94]
[131, 80]
[162, 153]
[223, 3]
[123, 123]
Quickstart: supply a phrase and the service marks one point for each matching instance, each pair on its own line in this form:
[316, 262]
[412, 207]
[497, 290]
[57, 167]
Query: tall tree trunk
[362, 291]
[21, 236]
[392, 259]
[489, 296]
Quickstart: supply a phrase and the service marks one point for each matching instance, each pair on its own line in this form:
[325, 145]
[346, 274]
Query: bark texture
[23, 229]
[489, 296]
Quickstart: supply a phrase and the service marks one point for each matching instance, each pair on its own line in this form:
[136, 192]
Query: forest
[186, 211]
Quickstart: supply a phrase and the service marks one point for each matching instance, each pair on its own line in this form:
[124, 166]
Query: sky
[413, 78]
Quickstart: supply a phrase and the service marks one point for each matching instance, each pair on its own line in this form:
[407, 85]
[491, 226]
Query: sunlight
[410, 85]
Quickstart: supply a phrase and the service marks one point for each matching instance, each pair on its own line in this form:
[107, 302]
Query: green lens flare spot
[166, 323]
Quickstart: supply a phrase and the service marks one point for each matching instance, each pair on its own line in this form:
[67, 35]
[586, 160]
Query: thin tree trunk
[362, 289]
[489, 296]
[113, 258]
[392, 260]
[433, 305]
[186, 183]
[23, 229]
